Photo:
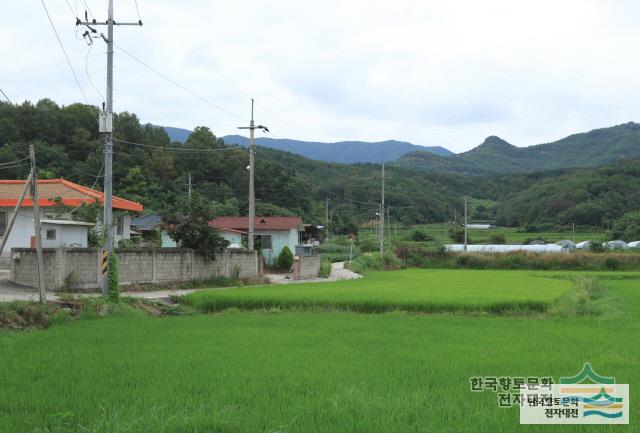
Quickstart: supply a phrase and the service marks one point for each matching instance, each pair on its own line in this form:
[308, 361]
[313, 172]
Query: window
[263, 242]
[51, 235]
[3, 222]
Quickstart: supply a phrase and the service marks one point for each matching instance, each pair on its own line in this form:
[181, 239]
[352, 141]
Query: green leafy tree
[627, 227]
[188, 225]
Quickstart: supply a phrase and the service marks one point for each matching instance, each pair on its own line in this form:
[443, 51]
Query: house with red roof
[272, 234]
[57, 231]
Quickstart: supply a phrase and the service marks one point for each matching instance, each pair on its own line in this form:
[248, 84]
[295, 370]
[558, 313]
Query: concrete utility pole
[106, 127]
[36, 224]
[189, 189]
[465, 224]
[14, 214]
[326, 217]
[252, 195]
[382, 217]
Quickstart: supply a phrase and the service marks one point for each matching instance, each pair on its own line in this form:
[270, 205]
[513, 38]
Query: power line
[6, 97]
[86, 68]
[84, 200]
[182, 149]
[65, 52]
[175, 83]
[137, 10]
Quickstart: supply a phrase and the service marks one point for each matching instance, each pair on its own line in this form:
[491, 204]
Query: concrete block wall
[305, 267]
[140, 265]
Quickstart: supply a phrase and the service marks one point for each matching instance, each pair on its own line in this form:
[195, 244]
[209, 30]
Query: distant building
[54, 193]
[147, 226]
[272, 234]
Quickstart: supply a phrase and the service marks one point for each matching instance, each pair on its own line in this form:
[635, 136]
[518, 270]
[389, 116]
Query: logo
[572, 401]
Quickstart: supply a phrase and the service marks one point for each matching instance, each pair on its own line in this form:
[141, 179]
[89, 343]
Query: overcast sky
[447, 73]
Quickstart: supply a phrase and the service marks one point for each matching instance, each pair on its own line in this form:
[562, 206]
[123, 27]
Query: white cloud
[433, 73]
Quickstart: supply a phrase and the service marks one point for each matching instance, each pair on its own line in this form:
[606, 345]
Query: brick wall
[140, 265]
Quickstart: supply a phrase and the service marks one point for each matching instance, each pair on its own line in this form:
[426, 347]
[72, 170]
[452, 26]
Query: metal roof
[52, 192]
[261, 223]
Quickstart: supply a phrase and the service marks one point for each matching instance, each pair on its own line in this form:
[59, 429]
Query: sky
[434, 73]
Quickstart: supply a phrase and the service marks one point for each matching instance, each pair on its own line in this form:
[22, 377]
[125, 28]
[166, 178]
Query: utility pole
[36, 224]
[389, 223]
[573, 231]
[106, 127]
[252, 195]
[189, 189]
[465, 224]
[326, 218]
[12, 220]
[382, 218]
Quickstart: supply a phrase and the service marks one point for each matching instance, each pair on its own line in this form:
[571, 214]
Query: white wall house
[55, 197]
[272, 233]
[65, 234]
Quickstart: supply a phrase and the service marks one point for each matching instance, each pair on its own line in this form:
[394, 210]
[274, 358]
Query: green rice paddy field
[320, 370]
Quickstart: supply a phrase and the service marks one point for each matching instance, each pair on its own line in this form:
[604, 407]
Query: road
[13, 292]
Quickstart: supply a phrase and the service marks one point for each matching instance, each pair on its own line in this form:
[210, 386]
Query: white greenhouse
[616, 245]
[634, 244]
[567, 244]
[549, 248]
[584, 245]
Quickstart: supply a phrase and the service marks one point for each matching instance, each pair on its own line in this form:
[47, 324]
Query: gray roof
[147, 222]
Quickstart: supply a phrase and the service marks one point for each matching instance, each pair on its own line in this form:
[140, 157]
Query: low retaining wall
[139, 265]
[306, 267]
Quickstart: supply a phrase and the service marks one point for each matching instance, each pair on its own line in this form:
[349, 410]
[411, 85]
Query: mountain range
[496, 156]
[347, 152]
[493, 156]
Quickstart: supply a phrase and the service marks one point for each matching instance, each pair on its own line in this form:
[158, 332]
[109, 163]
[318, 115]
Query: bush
[113, 278]
[372, 262]
[71, 282]
[456, 234]
[285, 258]
[420, 236]
[612, 263]
[497, 238]
[368, 244]
[325, 267]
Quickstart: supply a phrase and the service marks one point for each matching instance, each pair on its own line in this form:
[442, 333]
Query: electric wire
[181, 149]
[178, 85]
[75, 76]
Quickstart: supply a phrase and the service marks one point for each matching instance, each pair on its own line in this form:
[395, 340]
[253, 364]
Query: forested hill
[494, 155]
[151, 169]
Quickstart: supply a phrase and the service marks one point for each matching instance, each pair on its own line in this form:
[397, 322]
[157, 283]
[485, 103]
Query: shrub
[456, 234]
[497, 238]
[325, 267]
[113, 278]
[285, 258]
[71, 282]
[420, 236]
[368, 244]
[597, 247]
[612, 263]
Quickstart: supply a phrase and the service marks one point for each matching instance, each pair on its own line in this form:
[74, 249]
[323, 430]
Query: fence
[139, 265]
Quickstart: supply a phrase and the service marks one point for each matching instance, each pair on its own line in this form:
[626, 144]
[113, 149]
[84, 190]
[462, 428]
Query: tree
[285, 258]
[627, 227]
[188, 225]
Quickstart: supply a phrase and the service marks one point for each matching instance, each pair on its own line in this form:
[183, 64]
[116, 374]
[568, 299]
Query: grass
[417, 290]
[302, 372]
[320, 371]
